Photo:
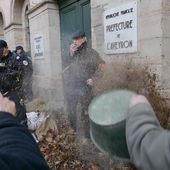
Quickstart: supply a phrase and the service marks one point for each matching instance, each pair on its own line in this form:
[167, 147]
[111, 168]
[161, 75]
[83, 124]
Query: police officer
[85, 61]
[11, 77]
[24, 60]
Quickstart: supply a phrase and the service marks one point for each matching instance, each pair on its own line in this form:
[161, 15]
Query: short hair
[3, 44]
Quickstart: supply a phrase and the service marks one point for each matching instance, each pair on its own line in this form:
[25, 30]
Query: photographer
[11, 78]
[18, 149]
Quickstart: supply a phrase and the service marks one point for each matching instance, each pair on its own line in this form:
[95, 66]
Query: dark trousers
[83, 99]
[25, 92]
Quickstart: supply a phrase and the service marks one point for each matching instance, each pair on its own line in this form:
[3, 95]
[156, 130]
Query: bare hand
[90, 82]
[7, 105]
[138, 99]
[72, 49]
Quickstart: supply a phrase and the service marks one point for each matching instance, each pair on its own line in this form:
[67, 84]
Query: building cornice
[12, 24]
[39, 6]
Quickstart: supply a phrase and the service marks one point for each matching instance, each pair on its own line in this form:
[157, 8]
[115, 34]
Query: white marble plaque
[120, 29]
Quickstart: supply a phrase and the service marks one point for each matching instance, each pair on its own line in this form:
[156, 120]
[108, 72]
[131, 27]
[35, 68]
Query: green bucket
[107, 113]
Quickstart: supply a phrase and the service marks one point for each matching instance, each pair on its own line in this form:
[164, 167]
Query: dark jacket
[11, 79]
[83, 66]
[25, 64]
[18, 150]
[148, 143]
[10, 74]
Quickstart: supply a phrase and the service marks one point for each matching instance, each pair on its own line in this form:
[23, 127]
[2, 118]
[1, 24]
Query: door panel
[86, 18]
[74, 15]
[68, 25]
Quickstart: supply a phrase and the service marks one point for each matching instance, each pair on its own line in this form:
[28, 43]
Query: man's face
[79, 41]
[18, 51]
[3, 52]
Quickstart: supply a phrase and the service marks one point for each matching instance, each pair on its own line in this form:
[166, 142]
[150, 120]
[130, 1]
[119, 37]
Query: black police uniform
[11, 77]
[25, 64]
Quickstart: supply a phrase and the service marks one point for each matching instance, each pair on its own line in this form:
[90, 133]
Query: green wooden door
[74, 15]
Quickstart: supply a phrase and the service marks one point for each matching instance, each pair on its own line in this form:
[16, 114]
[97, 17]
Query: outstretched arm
[148, 143]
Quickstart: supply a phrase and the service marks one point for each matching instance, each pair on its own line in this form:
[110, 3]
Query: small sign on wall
[38, 46]
[120, 29]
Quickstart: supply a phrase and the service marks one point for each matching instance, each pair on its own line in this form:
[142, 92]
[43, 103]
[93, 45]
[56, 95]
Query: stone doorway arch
[20, 23]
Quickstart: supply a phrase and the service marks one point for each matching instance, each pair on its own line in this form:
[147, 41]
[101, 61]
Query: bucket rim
[102, 94]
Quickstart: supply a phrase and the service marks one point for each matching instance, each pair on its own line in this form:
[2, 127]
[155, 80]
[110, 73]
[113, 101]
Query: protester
[11, 79]
[148, 143]
[18, 150]
[85, 61]
[24, 60]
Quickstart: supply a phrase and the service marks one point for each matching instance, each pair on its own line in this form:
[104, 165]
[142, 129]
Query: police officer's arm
[148, 143]
[18, 150]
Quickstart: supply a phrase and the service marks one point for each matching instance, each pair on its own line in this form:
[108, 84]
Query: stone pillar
[13, 35]
[166, 48]
[47, 82]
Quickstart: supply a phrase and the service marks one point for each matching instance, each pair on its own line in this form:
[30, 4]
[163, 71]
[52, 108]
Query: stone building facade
[35, 24]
